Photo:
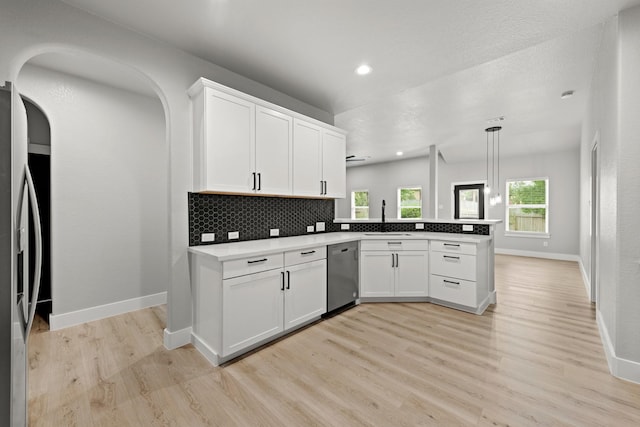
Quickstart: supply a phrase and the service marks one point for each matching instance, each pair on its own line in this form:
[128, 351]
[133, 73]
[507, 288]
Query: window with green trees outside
[527, 206]
[410, 202]
[360, 204]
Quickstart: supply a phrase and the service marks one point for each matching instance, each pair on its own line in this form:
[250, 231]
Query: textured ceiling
[440, 67]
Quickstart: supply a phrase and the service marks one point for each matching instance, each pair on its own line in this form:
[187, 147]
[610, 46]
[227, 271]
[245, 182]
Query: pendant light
[495, 164]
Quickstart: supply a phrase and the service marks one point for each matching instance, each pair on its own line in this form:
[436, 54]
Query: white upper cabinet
[274, 152]
[246, 145]
[225, 143]
[319, 165]
[334, 164]
[307, 159]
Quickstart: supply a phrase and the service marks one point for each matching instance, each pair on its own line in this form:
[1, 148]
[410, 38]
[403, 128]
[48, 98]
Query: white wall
[628, 311]
[382, 180]
[31, 27]
[612, 120]
[601, 120]
[562, 169]
[109, 190]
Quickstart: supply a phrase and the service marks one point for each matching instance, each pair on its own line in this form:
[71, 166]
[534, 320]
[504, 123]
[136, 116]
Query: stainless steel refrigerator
[18, 286]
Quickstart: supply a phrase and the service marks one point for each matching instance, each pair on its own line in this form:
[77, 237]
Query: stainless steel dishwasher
[342, 276]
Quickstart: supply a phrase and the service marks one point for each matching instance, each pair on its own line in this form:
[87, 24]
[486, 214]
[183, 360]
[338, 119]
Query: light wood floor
[534, 359]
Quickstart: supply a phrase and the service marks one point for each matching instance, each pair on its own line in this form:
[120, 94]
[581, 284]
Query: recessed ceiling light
[363, 70]
[399, 153]
[566, 94]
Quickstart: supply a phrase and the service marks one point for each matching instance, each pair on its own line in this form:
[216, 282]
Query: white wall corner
[624, 369]
[177, 339]
[73, 318]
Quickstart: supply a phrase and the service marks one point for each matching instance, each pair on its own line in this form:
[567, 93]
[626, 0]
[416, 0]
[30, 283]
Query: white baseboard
[65, 320]
[621, 368]
[205, 350]
[585, 280]
[173, 340]
[536, 254]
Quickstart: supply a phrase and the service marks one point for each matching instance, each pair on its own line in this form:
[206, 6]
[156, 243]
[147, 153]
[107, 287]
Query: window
[527, 205]
[410, 202]
[360, 204]
[468, 201]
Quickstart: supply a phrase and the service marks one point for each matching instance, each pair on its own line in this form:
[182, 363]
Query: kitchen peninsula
[246, 294]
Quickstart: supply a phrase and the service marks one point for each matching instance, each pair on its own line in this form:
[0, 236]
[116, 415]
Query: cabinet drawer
[457, 291]
[256, 264]
[456, 247]
[394, 245]
[460, 266]
[305, 255]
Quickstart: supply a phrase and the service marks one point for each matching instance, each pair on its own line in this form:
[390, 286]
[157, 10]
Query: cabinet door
[305, 295]
[376, 274]
[274, 152]
[229, 137]
[334, 165]
[252, 309]
[412, 274]
[307, 159]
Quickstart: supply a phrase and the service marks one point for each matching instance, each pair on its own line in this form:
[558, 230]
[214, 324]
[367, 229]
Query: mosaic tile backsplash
[254, 216]
[430, 227]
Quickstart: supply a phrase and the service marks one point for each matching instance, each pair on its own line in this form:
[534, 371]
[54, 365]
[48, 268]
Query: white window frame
[533, 234]
[353, 203]
[399, 206]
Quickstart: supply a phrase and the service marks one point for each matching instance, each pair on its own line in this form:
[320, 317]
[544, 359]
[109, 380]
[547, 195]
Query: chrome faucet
[382, 225]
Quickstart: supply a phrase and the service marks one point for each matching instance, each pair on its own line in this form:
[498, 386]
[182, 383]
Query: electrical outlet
[419, 226]
[207, 237]
[319, 226]
[344, 226]
[467, 227]
[274, 232]
[233, 235]
[310, 229]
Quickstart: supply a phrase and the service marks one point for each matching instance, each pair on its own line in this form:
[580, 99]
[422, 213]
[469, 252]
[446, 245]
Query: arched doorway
[109, 185]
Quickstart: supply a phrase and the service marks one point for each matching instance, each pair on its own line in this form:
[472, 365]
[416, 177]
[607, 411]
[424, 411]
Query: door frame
[594, 220]
[469, 185]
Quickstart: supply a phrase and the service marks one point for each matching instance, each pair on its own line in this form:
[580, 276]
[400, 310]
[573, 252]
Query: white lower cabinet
[389, 269]
[252, 309]
[459, 274]
[305, 294]
[241, 303]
